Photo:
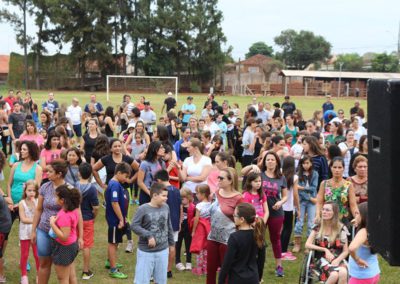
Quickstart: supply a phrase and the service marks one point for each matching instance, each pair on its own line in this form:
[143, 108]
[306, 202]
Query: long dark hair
[52, 134]
[101, 147]
[288, 170]
[277, 171]
[313, 143]
[248, 213]
[302, 176]
[250, 178]
[109, 112]
[70, 195]
[363, 209]
[151, 155]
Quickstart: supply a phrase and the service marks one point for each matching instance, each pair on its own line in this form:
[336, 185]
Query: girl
[254, 195]
[74, 159]
[307, 186]
[109, 122]
[172, 167]
[65, 228]
[52, 151]
[27, 208]
[288, 171]
[329, 241]
[185, 233]
[363, 262]
[201, 228]
[240, 262]
[137, 147]
[348, 150]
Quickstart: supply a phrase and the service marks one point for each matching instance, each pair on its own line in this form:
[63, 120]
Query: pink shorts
[372, 280]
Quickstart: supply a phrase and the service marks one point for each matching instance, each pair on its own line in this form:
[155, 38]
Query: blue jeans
[151, 264]
[43, 243]
[309, 208]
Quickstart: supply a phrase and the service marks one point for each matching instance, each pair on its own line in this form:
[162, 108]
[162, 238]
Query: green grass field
[99, 253]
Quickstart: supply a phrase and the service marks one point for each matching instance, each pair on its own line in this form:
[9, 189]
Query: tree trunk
[26, 84]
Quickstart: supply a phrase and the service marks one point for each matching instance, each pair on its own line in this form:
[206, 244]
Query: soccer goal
[142, 85]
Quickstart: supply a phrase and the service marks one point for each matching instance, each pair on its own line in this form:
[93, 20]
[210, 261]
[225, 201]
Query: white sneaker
[188, 266]
[180, 267]
[129, 247]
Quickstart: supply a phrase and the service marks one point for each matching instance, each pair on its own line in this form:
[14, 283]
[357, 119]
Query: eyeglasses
[220, 178]
[341, 113]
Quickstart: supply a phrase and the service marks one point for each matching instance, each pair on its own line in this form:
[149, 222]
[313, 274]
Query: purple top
[50, 206]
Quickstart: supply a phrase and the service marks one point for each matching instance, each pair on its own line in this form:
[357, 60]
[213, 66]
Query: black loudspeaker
[383, 168]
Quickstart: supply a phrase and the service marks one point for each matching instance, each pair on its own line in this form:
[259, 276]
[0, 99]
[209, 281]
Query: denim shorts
[43, 243]
[151, 264]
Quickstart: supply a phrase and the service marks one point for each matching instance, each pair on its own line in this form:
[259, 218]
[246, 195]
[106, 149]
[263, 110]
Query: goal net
[141, 85]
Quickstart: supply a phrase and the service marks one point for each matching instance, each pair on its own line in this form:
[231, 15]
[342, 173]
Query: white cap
[131, 125]
[169, 94]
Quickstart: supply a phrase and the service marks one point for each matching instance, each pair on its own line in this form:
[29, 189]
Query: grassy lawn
[99, 253]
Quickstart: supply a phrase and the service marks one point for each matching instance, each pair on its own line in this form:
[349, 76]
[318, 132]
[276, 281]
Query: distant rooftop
[338, 74]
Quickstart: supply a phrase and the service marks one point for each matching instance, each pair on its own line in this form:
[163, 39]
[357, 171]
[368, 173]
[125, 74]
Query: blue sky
[349, 25]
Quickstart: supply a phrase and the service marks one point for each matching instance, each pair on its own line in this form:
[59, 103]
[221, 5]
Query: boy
[152, 223]
[5, 227]
[89, 208]
[116, 199]
[175, 210]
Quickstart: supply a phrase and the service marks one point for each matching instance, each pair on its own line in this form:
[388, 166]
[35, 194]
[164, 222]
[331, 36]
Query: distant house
[247, 76]
[4, 68]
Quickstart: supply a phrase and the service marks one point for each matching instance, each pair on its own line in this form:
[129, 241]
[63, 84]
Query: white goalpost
[142, 84]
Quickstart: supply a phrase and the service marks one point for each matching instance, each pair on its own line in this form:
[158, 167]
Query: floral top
[340, 196]
[360, 190]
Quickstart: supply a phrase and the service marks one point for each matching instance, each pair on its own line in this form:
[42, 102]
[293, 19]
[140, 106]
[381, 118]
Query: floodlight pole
[340, 78]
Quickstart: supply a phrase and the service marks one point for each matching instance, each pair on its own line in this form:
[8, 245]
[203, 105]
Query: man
[16, 121]
[51, 105]
[169, 103]
[254, 102]
[267, 107]
[210, 99]
[10, 101]
[328, 105]
[354, 110]
[74, 113]
[127, 101]
[261, 113]
[288, 107]
[98, 107]
[188, 110]
[149, 118]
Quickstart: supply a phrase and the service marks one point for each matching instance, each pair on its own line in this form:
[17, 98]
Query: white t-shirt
[213, 128]
[347, 157]
[360, 132]
[289, 204]
[194, 170]
[203, 208]
[74, 114]
[296, 151]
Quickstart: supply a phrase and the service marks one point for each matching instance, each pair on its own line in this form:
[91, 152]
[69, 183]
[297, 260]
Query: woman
[31, 134]
[318, 117]
[101, 149]
[348, 150]
[23, 171]
[151, 164]
[360, 179]
[109, 122]
[290, 128]
[312, 148]
[4, 126]
[48, 206]
[110, 162]
[74, 159]
[195, 168]
[299, 121]
[52, 151]
[45, 120]
[227, 197]
[182, 145]
[121, 119]
[89, 138]
[362, 151]
[210, 125]
[259, 141]
[135, 116]
[139, 128]
[340, 191]
[220, 161]
[329, 242]
[207, 111]
[336, 136]
[193, 125]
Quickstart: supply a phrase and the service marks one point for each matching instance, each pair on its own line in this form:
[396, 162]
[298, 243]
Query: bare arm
[360, 239]
[140, 182]
[22, 215]
[38, 175]
[11, 179]
[36, 218]
[202, 177]
[98, 166]
[320, 201]
[353, 202]
[195, 222]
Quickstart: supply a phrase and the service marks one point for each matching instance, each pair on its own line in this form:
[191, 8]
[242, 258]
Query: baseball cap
[146, 103]
[287, 97]
[190, 98]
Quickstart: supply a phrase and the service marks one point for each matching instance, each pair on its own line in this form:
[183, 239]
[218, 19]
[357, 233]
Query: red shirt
[173, 173]
[10, 101]
[228, 204]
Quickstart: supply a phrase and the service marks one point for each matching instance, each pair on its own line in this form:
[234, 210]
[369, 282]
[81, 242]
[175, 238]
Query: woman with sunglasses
[222, 224]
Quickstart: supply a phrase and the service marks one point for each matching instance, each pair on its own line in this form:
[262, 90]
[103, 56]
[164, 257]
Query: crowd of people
[180, 169]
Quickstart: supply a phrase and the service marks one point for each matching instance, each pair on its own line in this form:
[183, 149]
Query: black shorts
[63, 255]
[3, 239]
[78, 130]
[115, 235]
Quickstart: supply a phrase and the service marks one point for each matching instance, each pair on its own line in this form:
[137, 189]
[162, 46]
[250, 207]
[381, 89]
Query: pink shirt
[70, 220]
[37, 138]
[49, 156]
[212, 179]
[255, 200]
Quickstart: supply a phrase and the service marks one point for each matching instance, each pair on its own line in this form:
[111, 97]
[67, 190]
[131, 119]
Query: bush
[195, 87]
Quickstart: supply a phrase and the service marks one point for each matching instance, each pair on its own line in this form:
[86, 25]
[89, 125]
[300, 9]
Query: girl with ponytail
[240, 261]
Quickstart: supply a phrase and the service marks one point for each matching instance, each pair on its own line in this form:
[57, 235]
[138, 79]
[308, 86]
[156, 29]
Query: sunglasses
[220, 178]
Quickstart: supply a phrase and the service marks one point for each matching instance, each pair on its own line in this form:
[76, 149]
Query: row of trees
[300, 49]
[167, 36]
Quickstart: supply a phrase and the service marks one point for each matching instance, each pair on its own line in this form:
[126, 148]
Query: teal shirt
[293, 132]
[20, 177]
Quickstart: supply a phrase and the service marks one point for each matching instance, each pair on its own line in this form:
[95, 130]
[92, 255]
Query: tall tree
[19, 24]
[384, 62]
[350, 61]
[260, 48]
[301, 49]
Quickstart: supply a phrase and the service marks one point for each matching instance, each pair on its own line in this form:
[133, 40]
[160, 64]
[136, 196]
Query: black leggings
[287, 230]
[4, 140]
[185, 235]
[261, 261]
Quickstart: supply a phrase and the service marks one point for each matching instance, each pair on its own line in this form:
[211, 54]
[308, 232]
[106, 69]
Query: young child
[26, 211]
[5, 227]
[297, 149]
[137, 146]
[175, 210]
[292, 203]
[363, 262]
[89, 209]
[64, 226]
[240, 261]
[172, 169]
[152, 223]
[185, 234]
[254, 195]
[201, 228]
[16, 154]
[307, 188]
[116, 210]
